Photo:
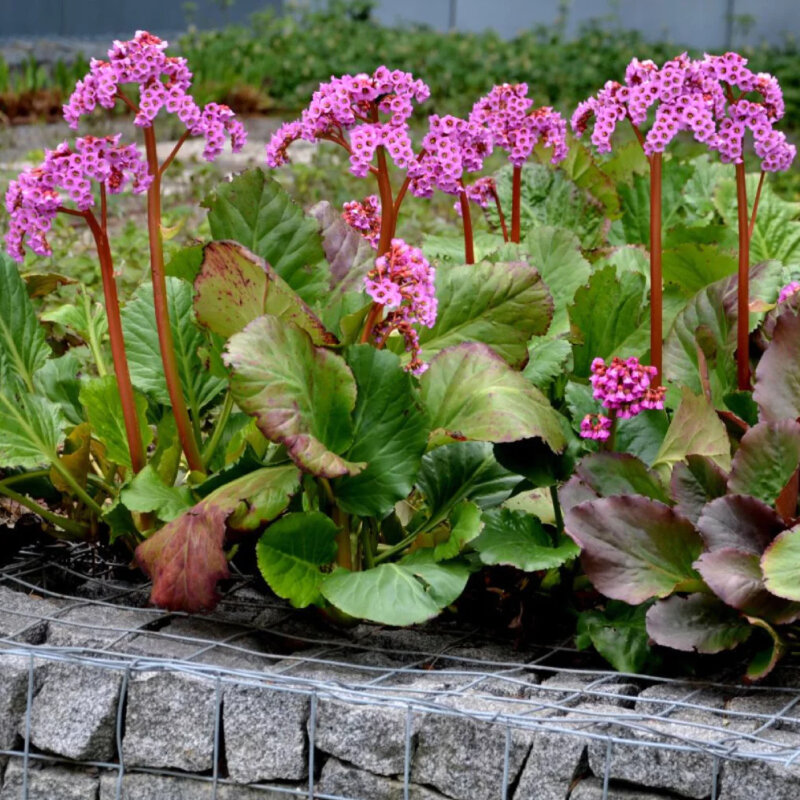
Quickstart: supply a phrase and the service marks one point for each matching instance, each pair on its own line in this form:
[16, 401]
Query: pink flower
[403, 281]
[515, 128]
[624, 386]
[163, 81]
[788, 290]
[596, 426]
[365, 217]
[64, 177]
[345, 109]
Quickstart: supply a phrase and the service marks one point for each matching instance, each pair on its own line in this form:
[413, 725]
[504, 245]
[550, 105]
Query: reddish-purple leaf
[739, 521]
[777, 391]
[694, 483]
[634, 548]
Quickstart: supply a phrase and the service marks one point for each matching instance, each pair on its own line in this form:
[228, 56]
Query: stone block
[23, 617]
[463, 756]
[779, 710]
[48, 782]
[592, 789]
[569, 689]
[265, 733]
[369, 736]
[757, 779]
[14, 672]
[342, 780]
[98, 627]
[169, 721]
[75, 713]
[142, 786]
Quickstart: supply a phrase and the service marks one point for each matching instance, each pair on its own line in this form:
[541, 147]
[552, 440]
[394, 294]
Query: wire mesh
[94, 618]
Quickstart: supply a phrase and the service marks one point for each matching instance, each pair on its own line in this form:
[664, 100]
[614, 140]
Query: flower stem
[656, 289]
[466, 218]
[184, 424]
[219, 427]
[120, 359]
[516, 201]
[500, 214]
[344, 555]
[752, 224]
[743, 293]
[374, 315]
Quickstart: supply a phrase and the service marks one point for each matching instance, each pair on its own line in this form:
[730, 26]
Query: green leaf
[618, 633]
[234, 286]
[777, 391]
[471, 393]
[58, 381]
[147, 492]
[695, 266]
[781, 565]
[641, 436]
[292, 550]
[547, 359]
[602, 335]
[465, 525]
[349, 254]
[500, 305]
[100, 396]
[390, 434]
[404, 593]
[765, 659]
[700, 189]
[619, 473]
[302, 396]
[634, 548]
[743, 405]
[708, 322]
[519, 540]
[463, 471]
[30, 431]
[200, 387]
[695, 430]
[581, 167]
[449, 249]
[185, 264]
[556, 254]
[85, 318]
[767, 458]
[23, 348]
[698, 623]
[254, 210]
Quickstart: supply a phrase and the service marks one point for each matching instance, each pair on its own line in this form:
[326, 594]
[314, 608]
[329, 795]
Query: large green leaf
[518, 539]
[634, 548]
[602, 335]
[23, 348]
[200, 386]
[620, 473]
[30, 430]
[84, 317]
[60, 382]
[234, 286]
[618, 633]
[291, 553]
[500, 305]
[781, 565]
[641, 436]
[101, 398]
[556, 254]
[695, 430]
[465, 525]
[471, 393]
[777, 391]
[463, 471]
[390, 434]
[448, 248]
[708, 322]
[698, 623]
[547, 359]
[693, 266]
[768, 456]
[254, 210]
[147, 492]
[404, 593]
[581, 167]
[302, 396]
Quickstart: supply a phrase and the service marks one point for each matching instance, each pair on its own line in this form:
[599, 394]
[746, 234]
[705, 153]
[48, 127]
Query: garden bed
[103, 697]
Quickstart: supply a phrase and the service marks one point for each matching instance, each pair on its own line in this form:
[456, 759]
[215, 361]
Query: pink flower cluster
[596, 426]
[403, 281]
[163, 82]
[505, 111]
[789, 290]
[481, 191]
[695, 96]
[33, 200]
[624, 387]
[451, 148]
[352, 104]
[365, 217]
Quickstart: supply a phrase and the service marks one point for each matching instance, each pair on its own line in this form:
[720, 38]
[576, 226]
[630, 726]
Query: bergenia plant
[515, 128]
[161, 82]
[694, 96]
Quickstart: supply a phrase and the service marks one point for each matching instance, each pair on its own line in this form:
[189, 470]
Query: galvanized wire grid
[362, 671]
